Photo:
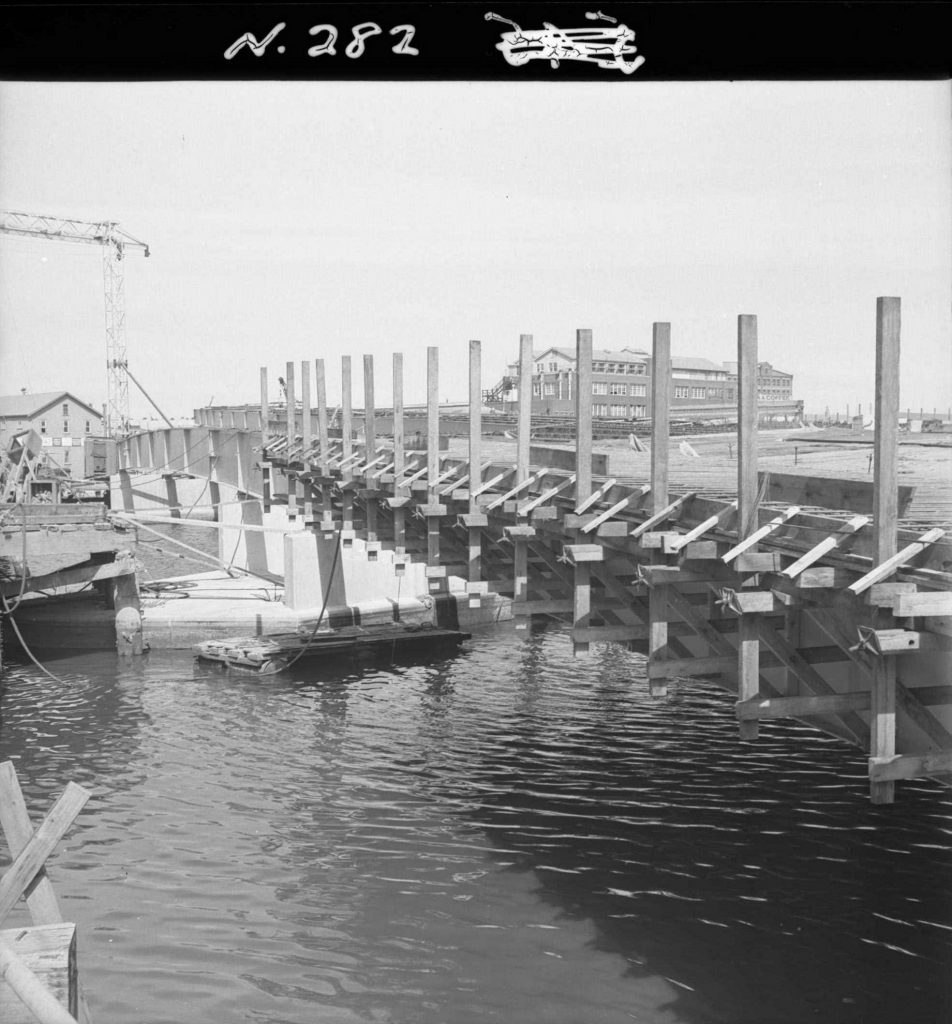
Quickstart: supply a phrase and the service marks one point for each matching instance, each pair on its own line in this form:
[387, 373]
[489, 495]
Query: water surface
[505, 834]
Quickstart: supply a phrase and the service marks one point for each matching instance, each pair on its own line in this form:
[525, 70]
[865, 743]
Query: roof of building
[624, 355]
[24, 406]
[763, 367]
[680, 363]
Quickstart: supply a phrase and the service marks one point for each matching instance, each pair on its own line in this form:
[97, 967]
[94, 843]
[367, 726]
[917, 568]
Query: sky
[297, 220]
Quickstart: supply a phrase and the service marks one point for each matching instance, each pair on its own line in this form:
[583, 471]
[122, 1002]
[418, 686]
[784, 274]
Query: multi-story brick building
[773, 385]
[62, 421]
[621, 383]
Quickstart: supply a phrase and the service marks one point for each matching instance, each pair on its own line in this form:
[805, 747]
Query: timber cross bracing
[844, 621]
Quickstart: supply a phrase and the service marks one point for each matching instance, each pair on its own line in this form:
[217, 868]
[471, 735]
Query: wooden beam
[709, 524]
[847, 530]
[28, 862]
[909, 766]
[923, 603]
[887, 568]
[803, 707]
[626, 502]
[661, 515]
[758, 535]
[582, 506]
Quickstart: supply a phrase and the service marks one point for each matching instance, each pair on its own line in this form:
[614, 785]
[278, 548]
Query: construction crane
[114, 244]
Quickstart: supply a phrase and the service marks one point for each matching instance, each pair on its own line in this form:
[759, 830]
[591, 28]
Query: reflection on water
[503, 835]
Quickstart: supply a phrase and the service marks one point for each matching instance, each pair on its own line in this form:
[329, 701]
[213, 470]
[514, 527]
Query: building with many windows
[62, 421]
[773, 385]
[621, 383]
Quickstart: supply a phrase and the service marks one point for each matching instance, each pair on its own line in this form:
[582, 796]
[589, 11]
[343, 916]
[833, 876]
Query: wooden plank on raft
[759, 535]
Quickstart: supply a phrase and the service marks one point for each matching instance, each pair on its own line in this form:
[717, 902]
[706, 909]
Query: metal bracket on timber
[883, 642]
[577, 554]
[749, 602]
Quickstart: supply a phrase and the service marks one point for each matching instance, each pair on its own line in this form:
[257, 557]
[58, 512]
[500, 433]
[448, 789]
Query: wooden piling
[292, 438]
[370, 444]
[748, 641]
[399, 457]
[433, 467]
[265, 462]
[582, 571]
[347, 427]
[660, 411]
[885, 515]
[306, 438]
[323, 436]
[474, 530]
[520, 592]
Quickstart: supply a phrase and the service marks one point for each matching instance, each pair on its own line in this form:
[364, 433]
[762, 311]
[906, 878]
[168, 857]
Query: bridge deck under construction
[839, 616]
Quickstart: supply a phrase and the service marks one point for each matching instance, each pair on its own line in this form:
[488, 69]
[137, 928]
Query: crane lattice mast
[114, 242]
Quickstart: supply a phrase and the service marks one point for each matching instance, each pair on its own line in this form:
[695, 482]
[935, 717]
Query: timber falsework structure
[838, 619]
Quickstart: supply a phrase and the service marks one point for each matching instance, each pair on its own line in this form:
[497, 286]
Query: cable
[327, 593]
[24, 645]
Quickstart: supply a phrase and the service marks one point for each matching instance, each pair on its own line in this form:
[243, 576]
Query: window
[638, 410]
[730, 394]
[598, 367]
[540, 367]
[599, 409]
[619, 410]
[66, 408]
[612, 368]
[42, 426]
[698, 393]
[550, 389]
[682, 392]
[618, 389]
[89, 427]
[553, 367]
[65, 426]
[537, 389]
[599, 388]
[641, 368]
[638, 390]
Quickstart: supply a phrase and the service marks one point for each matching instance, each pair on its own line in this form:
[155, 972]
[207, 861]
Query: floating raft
[274, 653]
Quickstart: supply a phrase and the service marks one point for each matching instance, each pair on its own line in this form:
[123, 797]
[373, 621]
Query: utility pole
[114, 242]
